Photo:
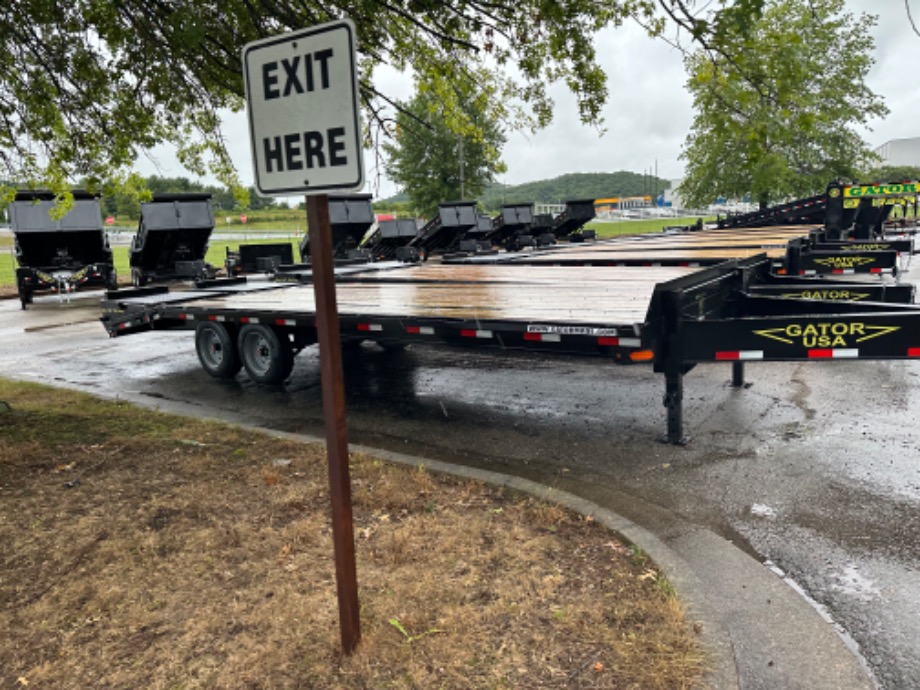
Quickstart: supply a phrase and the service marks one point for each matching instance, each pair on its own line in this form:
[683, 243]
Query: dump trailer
[172, 239]
[258, 258]
[672, 318]
[568, 224]
[390, 236]
[350, 216]
[511, 227]
[59, 255]
[444, 232]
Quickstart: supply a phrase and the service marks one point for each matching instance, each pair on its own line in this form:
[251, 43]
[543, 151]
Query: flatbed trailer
[670, 317]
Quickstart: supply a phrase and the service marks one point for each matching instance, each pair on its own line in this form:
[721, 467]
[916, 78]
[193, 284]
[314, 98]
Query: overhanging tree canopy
[86, 85]
[776, 117]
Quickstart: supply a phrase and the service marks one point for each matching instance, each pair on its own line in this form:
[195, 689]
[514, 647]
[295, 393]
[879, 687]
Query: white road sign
[302, 98]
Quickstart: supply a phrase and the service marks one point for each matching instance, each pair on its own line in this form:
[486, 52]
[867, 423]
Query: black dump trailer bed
[350, 216]
[670, 317]
[391, 237]
[511, 227]
[568, 224]
[447, 229]
[59, 255]
[172, 239]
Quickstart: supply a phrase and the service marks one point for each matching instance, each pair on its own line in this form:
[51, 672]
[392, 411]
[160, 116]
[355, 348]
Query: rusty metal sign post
[330, 363]
[305, 133]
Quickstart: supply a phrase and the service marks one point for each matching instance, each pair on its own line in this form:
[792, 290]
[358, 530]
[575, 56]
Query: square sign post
[305, 131]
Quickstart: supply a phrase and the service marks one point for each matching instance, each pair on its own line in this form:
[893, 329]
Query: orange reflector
[642, 355]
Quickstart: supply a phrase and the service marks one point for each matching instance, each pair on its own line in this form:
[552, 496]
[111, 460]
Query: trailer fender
[267, 353]
[217, 351]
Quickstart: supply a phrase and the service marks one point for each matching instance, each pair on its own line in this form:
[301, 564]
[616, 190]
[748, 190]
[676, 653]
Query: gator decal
[833, 295]
[881, 189]
[827, 334]
[845, 261]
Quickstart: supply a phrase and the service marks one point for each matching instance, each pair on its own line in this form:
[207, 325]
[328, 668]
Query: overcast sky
[648, 114]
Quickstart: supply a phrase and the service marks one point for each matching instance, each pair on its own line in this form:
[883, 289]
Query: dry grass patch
[144, 550]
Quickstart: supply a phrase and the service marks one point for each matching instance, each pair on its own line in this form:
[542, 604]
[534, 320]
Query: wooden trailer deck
[557, 294]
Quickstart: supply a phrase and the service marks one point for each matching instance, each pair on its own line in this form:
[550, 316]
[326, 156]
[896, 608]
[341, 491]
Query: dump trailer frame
[59, 256]
[350, 217]
[172, 239]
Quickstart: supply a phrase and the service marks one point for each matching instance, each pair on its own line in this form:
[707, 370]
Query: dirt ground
[144, 550]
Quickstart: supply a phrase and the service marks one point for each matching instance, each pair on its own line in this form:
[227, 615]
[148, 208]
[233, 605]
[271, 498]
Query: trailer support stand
[673, 401]
[738, 374]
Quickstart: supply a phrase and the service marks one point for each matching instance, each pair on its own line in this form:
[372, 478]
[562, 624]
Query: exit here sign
[302, 99]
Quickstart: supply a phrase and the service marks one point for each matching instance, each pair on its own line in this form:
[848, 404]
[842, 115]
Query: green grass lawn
[618, 228]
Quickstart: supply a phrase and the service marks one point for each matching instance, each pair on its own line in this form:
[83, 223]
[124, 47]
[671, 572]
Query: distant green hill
[569, 186]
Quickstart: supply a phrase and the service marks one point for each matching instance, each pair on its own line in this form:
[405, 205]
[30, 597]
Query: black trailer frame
[730, 313]
[172, 239]
[59, 255]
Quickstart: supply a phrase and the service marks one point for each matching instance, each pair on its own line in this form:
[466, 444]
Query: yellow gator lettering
[881, 189]
[833, 295]
[826, 334]
[845, 261]
[865, 247]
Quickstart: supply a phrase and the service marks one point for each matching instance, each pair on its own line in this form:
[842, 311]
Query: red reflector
[533, 336]
[875, 270]
[244, 319]
[413, 329]
[183, 316]
[837, 271]
[466, 333]
[608, 341]
[727, 356]
[212, 317]
[820, 354]
[364, 327]
[913, 352]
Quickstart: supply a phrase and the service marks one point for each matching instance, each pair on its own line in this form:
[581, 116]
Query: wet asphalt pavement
[814, 468]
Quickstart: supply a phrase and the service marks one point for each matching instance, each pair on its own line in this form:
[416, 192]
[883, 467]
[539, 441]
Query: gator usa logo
[845, 261]
[826, 334]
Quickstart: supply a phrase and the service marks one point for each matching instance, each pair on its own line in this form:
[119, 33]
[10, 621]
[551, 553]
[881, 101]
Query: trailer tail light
[641, 355]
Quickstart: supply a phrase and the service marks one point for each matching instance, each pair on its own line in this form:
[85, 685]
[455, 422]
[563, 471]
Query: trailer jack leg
[673, 401]
[738, 374]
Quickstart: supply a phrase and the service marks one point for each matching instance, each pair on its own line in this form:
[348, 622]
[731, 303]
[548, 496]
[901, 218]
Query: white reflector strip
[846, 352]
[550, 338]
[630, 342]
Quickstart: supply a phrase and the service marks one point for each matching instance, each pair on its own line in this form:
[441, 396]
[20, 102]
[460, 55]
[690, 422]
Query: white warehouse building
[900, 152]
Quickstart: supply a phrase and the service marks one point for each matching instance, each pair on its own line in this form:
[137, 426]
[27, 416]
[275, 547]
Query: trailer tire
[266, 353]
[217, 352]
